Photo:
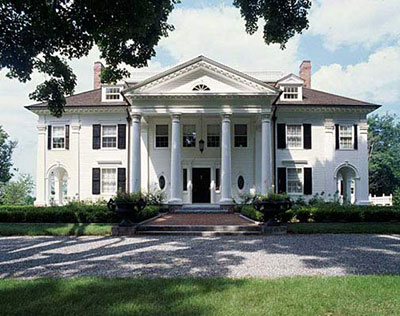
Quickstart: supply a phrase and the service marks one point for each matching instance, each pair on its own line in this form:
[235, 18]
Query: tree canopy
[6, 149]
[43, 35]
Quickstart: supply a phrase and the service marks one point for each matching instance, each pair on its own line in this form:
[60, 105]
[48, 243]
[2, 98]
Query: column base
[39, 203]
[363, 202]
[226, 202]
[175, 202]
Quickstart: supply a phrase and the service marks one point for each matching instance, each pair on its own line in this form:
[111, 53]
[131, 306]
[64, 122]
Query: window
[112, 93]
[108, 180]
[109, 136]
[184, 174]
[290, 93]
[161, 136]
[161, 182]
[201, 87]
[295, 180]
[217, 179]
[240, 183]
[58, 138]
[189, 135]
[240, 135]
[213, 135]
[346, 136]
[293, 136]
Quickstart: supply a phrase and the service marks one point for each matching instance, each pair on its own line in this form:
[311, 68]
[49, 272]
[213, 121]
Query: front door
[201, 185]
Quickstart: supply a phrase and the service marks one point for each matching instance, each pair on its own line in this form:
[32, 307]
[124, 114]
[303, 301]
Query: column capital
[41, 128]
[176, 116]
[226, 116]
[136, 116]
[265, 117]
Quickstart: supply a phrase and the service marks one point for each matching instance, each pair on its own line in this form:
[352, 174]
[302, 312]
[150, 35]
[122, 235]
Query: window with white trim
[109, 136]
[294, 180]
[290, 93]
[189, 135]
[58, 137]
[346, 136]
[294, 137]
[240, 135]
[162, 136]
[112, 94]
[108, 180]
[213, 135]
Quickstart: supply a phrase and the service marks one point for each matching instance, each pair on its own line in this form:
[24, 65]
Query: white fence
[385, 200]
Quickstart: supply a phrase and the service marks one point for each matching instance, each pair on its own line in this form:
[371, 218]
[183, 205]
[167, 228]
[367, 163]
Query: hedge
[66, 214]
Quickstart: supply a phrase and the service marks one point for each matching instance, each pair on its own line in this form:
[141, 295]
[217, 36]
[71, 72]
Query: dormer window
[111, 94]
[201, 87]
[290, 93]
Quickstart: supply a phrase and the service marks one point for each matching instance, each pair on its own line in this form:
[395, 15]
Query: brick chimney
[98, 66]
[305, 73]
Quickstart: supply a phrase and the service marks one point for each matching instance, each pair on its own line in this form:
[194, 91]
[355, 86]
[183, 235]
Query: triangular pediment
[201, 71]
[290, 79]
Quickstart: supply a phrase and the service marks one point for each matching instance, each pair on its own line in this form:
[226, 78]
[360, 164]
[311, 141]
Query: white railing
[385, 200]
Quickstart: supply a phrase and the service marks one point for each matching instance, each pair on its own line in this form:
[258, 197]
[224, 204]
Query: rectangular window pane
[58, 137]
[184, 179]
[294, 180]
[213, 135]
[240, 135]
[161, 136]
[290, 93]
[346, 136]
[112, 93]
[294, 136]
[189, 135]
[109, 136]
[217, 179]
[108, 181]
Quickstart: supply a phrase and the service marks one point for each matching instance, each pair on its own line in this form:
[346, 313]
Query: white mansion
[204, 133]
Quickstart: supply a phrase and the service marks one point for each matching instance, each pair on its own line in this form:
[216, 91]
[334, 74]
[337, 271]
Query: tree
[17, 192]
[6, 149]
[384, 154]
[42, 34]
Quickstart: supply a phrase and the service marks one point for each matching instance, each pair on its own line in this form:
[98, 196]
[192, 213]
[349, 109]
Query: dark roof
[316, 97]
[84, 99]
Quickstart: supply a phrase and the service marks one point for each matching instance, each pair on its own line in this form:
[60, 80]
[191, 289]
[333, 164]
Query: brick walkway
[200, 219]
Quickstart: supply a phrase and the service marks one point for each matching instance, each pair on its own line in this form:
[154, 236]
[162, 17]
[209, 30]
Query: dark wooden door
[201, 185]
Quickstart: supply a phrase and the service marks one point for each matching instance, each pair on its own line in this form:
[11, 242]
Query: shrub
[303, 214]
[251, 212]
[286, 216]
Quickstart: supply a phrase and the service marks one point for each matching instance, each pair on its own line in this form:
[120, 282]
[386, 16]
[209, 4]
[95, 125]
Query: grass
[338, 228]
[350, 295]
[22, 229]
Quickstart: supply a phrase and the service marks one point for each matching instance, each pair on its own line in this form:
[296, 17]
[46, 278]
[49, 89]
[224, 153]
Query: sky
[354, 50]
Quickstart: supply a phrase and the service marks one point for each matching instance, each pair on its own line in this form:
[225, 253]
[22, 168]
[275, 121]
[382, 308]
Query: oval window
[161, 182]
[240, 182]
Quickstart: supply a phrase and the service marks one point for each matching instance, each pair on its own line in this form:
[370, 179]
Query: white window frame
[101, 181]
[155, 136]
[301, 137]
[247, 136]
[183, 135]
[301, 180]
[299, 92]
[352, 136]
[219, 135]
[52, 137]
[104, 94]
[116, 136]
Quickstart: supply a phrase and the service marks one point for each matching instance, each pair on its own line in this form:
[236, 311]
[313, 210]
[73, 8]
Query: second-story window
[240, 135]
[213, 136]
[162, 136]
[109, 136]
[58, 138]
[189, 135]
[293, 136]
[346, 136]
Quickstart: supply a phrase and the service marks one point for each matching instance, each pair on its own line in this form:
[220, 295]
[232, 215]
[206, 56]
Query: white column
[226, 182]
[212, 186]
[41, 177]
[135, 187]
[266, 159]
[176, 162]
[190, 183]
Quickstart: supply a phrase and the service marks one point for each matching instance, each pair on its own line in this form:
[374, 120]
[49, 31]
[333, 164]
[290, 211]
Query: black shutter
[281, 136]
[281, 180]
[96, 181]
[355, 136]
[49, 137]
[307, 181]
[337, 135]
[307, 136]
[121, 136]
[122, 179]
[96, 136]
[66, 136]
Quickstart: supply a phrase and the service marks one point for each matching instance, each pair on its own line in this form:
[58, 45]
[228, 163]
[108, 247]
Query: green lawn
[352, 295]
[21, 229]
[337, 228]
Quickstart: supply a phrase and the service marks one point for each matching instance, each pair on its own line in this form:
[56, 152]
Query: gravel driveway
[264, 256]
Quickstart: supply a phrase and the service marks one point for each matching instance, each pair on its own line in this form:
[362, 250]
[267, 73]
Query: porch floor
[172, 219]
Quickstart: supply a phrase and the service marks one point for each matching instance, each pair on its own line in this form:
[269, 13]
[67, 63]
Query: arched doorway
[58, 186]
[346, 181]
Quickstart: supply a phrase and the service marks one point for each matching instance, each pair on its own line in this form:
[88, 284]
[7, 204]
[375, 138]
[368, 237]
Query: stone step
[201, 208]
[198, 233]
[200, 228]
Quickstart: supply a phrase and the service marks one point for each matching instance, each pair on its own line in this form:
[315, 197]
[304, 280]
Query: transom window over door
[161, 136]
[58, 137]
[240, 135]
[189, 135]
[109, 136]
[294, 136]
[295, 180]
[346, 136]
[213, 135]
[108, 180]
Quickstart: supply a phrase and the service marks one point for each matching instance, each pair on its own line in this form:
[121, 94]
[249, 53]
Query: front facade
[202, 132]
